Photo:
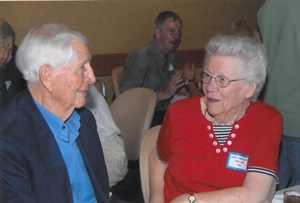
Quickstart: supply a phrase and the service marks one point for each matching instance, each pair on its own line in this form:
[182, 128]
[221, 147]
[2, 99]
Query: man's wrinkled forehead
[170, 22]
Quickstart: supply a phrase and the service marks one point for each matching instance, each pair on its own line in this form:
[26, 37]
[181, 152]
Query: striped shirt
[222, 133]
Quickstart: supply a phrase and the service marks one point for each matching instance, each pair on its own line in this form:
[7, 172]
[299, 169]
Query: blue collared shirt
[65, 135]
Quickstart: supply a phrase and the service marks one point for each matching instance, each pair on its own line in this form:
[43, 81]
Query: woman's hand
[181, 199]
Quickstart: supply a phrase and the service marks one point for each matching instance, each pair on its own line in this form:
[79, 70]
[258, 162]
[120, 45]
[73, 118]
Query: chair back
[132, 112]
[147, 146]
[116, 77]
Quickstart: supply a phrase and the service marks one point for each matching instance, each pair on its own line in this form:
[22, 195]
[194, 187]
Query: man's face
[71, 82]
[5, 53]
[169, 37]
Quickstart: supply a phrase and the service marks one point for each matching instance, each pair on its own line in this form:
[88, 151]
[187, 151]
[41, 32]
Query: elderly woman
[221, 147]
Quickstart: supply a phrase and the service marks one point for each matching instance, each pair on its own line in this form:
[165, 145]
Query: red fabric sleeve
[265, 153]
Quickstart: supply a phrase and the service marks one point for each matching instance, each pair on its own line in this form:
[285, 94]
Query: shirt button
[237, 126]
[63, 127]
[233, 135]
[218, 150]
[77, 172]
[225, 149]
[229, 142]
[211, 135]
[208, 127]
[215, 143]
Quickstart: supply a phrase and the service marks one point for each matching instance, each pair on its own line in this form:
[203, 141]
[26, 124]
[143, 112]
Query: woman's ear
[45, 74]
[251, 86]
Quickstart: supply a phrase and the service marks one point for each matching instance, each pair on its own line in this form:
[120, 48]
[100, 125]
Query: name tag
[237, 161]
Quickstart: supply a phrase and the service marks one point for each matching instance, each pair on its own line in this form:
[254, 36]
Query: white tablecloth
[278, 198]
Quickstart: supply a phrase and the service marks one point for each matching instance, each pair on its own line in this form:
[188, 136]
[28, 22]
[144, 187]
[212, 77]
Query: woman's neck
[230, 121]
[228, 118]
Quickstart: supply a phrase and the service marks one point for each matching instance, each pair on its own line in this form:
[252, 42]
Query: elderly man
[154, 65]
[11, 80]
[49, 147]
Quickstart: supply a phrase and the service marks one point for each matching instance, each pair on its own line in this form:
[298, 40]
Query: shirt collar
[67, 131]
[155, 47]
[170, 56]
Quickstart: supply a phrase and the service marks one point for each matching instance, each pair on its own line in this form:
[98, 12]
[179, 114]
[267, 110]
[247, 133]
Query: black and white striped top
[222, 133]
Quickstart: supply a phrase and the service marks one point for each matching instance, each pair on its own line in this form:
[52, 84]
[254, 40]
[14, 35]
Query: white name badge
[237, 161]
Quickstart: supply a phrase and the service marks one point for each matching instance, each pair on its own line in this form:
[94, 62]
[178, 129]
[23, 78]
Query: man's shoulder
[139, 52]
[12, 115]
[149, 51]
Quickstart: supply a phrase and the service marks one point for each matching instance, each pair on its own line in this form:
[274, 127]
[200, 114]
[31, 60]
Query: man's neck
[44, 98]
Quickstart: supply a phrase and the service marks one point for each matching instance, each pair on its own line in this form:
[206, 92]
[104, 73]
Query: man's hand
[176, 83]
[188, 72]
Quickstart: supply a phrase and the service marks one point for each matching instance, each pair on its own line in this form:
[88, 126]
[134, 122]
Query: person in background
[50, 150]
[11, 79]
[154, 66]
[109, 134]
[280, 31]
[223, 146]
[246, 28]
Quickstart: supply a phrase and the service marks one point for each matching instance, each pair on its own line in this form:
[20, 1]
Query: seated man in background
[109, 134]
[154, 65]
[50, 150]
[11, 80]
[124, 180]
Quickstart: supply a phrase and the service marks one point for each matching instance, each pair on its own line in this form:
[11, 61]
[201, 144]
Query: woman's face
[230, 100]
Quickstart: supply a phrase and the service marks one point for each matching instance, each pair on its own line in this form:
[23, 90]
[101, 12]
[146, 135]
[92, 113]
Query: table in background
[278, 197]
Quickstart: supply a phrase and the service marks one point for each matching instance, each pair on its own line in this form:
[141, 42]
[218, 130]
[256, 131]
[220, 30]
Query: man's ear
[157, 33]
[8, 41]
[46, 73]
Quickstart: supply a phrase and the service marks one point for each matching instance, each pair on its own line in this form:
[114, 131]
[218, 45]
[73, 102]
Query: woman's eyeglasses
[221, 81]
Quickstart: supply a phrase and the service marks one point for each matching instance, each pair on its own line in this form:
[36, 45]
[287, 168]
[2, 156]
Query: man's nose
[176, 35]
[90, 75]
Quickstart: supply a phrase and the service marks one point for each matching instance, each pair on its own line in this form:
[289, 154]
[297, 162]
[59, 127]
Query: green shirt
[280, 29]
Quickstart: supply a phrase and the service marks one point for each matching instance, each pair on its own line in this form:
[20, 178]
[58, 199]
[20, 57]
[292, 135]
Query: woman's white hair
[250, 53]
[47, 44]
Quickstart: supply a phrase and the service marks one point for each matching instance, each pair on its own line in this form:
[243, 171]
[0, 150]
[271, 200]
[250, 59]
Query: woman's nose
[211, 86]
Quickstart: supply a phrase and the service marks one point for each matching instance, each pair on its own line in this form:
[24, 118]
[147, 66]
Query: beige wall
[114, 26]
[122, 25]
